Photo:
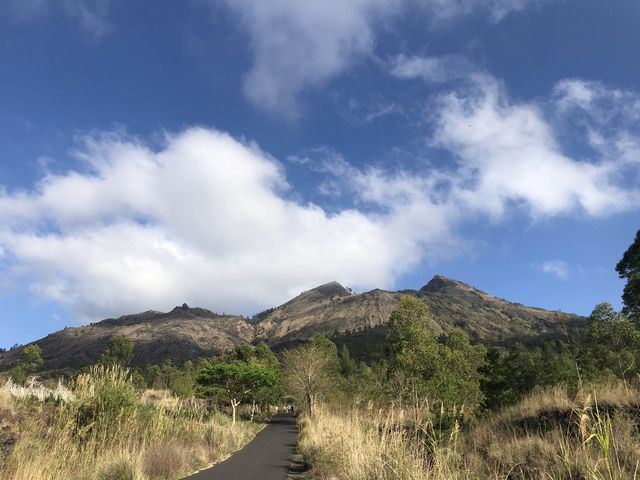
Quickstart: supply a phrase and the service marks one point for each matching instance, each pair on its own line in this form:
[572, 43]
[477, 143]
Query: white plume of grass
[38, 391]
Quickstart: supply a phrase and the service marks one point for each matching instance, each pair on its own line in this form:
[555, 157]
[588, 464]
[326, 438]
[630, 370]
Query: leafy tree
[348, 366]
[420, 367]
[235, 381]
[413, 356]
[629, 267]
[311, 372]
[118, 352]
[611, 346]
[263, 354]
[30, 360]
[457, 381]
[152, 376]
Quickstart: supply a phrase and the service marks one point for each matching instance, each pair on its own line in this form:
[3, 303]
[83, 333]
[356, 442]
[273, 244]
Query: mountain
[358, 320]
[183, 333]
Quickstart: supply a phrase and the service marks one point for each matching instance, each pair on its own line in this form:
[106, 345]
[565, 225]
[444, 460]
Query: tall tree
[412, 349]
[311, 371]
[629, 267]
[30, 360]
[236, 382]
[118, 352]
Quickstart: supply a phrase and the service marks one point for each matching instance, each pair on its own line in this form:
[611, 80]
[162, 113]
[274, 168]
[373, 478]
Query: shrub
[120, 469]
[163, 462]
[106, 396]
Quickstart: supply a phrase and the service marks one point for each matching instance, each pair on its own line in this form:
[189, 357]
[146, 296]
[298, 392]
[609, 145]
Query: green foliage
[348, 366]
[629, 267]
[32, 356]
[420, 367]
[457, 381]
[106, 396]
[609, 349]
[611, 346]
[30, 360]
[118, 352]
[237, 381]
[263, 354]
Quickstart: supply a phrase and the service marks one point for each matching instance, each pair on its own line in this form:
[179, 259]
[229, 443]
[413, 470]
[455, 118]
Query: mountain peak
[438, 282]
[331, 289]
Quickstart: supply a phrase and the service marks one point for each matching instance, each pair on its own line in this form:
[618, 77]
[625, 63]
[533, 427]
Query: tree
[118, 352]
[412, 349]
[457, 381]
[420, 367]
[629, 267]
[30, 360]
[263, 354]
[311, 371]
[348, 366]
[235, 381]
[611, 346]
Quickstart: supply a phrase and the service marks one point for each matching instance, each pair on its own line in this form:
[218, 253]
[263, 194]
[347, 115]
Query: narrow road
[266, 457]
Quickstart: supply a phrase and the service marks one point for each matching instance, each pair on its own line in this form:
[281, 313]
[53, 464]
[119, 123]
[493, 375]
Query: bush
[120, 469]
[106, 396]
[164, 462]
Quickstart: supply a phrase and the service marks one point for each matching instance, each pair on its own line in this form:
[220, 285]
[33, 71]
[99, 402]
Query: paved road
[266, 457]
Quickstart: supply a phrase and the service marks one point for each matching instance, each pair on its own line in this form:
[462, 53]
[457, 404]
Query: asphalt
[266, 457]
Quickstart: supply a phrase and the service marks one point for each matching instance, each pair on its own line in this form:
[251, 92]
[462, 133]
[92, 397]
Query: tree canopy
[311, 371]
[119, 351]
[629, 267]
[236, 382]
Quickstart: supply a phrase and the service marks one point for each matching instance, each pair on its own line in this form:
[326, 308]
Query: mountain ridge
[185, 333]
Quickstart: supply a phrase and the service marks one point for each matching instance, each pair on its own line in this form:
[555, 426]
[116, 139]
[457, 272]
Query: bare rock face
[186, 333]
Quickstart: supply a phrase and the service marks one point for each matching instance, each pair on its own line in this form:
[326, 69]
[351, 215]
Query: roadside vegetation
[443, 408]
[101, 428]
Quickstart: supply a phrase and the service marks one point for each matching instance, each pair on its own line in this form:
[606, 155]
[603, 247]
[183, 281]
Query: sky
[232, 153]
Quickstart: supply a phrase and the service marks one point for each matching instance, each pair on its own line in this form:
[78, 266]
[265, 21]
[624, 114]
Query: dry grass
[550, 435]
[107, 433]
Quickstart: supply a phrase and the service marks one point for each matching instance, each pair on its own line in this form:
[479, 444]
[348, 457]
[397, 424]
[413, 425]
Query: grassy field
[550, 435]
[101, 428]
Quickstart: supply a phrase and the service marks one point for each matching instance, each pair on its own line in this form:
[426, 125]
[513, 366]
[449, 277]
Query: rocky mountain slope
[356, 319]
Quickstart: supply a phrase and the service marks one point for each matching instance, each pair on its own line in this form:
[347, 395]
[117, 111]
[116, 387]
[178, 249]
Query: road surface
[266, 457]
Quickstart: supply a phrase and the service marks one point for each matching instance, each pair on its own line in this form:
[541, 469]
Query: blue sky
[233, 153]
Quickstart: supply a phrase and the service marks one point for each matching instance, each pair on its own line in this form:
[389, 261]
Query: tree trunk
[234, 404]
[309, 402]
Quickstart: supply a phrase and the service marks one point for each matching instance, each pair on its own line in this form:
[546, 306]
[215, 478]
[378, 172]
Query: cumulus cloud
[203, 219]
[302, 44]
[211, 220]
[558, 268]
[92, 15]
[508, 154]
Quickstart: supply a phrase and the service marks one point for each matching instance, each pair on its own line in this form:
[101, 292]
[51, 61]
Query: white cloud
[508, 154]
[610, 117]
[434, 69]
[558, 268]
[212, 221]
[302, 44]
[204, 219]
[92, 15]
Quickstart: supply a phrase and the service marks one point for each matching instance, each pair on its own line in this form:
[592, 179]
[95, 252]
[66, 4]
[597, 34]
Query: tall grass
[104, 431]
[550, 435]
